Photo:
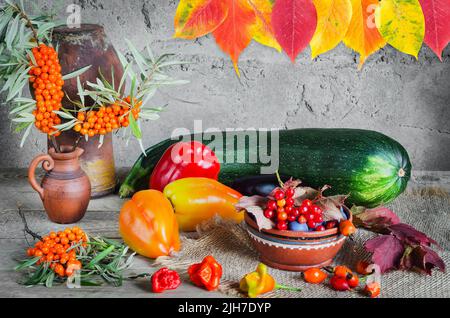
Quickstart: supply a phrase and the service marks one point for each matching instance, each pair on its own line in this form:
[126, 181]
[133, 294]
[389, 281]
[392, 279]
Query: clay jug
[77, 48]
[65, 189]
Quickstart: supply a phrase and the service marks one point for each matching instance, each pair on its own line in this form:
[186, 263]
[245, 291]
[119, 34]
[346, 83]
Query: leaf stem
[282, 287]
[25, 224]
[29, 24]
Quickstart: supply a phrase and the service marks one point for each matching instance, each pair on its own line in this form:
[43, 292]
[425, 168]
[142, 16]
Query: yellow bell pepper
[260, 282]
[199, 199]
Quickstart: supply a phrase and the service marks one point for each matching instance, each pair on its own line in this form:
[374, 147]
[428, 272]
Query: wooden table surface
[101, 219]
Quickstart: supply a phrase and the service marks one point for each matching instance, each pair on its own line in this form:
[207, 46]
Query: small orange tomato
[372, 290]
[347, 228]
[361, 267]
[342, 271]
[314, 276]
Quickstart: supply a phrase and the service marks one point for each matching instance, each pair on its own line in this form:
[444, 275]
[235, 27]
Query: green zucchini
[369, 166]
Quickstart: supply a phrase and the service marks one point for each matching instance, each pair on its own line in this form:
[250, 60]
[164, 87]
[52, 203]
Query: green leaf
[80, 91]
[49, 280]
[134, 127]
[66, 126]
[139, 59]
[76, 73]
[12, 32]
[25, 135]
[26, 264]
[100, 256]
[64, 115]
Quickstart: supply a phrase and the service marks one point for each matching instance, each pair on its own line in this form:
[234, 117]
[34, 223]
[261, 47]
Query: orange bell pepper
[260, 282]
[148, 225]
[199, 199]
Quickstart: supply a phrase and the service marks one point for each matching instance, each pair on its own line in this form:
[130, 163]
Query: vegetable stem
[282, 287]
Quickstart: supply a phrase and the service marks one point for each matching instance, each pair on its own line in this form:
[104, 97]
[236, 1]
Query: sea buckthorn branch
[113, 109]
[25, 58]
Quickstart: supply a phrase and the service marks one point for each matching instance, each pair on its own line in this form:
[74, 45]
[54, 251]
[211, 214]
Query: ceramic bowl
[295, 251]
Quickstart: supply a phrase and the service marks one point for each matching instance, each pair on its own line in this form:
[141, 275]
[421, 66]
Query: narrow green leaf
[27, 263]
[64, 115]
[100, 256]
[134, 127]
[25, 135]
[76, 73]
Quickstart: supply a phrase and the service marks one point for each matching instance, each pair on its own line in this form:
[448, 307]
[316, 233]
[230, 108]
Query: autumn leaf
[437, 24]
[410, 235]
[377, 219]
[263, 30]
[334, 18]
[402, 24]
[422, 259]
[235, 33]
[254, 206]
[196, 18]
[362, 35]
[294, 23]
[387, 251]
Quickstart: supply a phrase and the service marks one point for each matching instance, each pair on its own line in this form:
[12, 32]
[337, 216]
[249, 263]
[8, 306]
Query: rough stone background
[394, 94]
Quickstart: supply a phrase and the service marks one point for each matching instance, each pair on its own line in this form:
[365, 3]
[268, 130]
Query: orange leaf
[362, 35]
[235, 33]
[196, 18]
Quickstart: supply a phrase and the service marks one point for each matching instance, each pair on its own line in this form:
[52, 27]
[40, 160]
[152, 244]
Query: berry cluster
[306, 217]
[107, 119]
[54, 250]
[343, 279]
[46, 80]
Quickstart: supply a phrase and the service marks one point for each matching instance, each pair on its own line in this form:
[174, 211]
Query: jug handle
[47, 164]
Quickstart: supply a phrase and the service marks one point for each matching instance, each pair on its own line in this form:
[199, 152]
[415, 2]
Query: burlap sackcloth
[230, 245]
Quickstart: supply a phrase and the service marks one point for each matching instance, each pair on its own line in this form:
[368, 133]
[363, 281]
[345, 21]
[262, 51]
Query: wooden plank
[12, 250]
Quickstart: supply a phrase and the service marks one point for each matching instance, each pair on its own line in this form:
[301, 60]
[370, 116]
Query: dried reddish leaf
[331, 207]
[387, 251]
[422, 259]
[378, 219]
[294, 23]
[235, 33]
[255, 206]
[437, 24]
[246, 202]
[409, 235]
[196, 18]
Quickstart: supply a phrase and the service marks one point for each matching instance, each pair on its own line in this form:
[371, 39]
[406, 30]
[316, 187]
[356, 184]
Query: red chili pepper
[165, 279]
[206, 274]
[184, 160]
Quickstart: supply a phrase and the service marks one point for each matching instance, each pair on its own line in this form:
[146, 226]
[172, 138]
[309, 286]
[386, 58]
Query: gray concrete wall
[394, 94]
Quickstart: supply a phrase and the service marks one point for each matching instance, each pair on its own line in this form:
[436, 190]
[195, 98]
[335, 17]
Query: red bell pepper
[185, 160]
[206, 274]
[165, 279]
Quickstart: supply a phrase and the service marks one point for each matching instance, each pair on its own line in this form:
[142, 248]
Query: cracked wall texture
[394, 94]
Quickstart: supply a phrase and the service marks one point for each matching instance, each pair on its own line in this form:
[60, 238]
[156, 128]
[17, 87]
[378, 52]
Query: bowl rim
[295, 234]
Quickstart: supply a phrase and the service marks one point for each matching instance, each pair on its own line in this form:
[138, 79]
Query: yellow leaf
[333, 19]
[362, 35]
[196, 18]
[263, 31]
[402, 24]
